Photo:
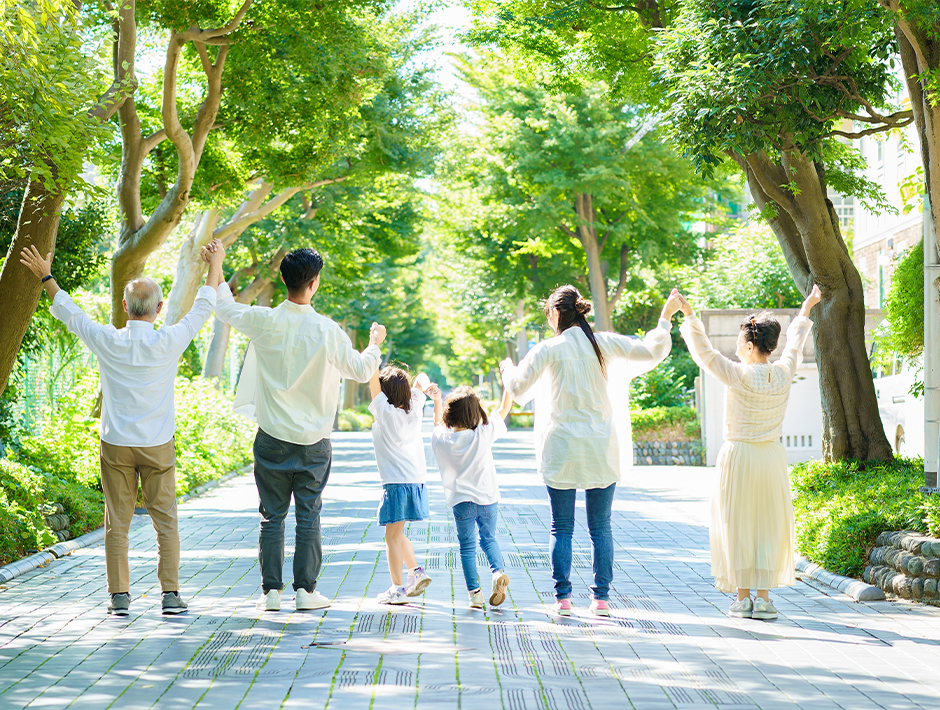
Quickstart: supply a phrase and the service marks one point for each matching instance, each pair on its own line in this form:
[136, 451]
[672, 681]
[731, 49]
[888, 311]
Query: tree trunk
[218, 349]
[522, 335]
[190, 268]
[807, 227]
[587, 234]
[38, 224]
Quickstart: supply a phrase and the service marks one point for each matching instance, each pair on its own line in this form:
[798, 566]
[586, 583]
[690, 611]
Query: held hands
[672, 306]
[434, 392]
[213, 252]
[685, 306]
[32, 260]
[814, 297]
[376, 334]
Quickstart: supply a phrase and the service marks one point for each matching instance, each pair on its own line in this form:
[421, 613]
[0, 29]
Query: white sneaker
[476, 599]
[500, 583]
[306, 601]
[742, 608]
[416, 586]
[270, 601]
[764, 609]
[392, 595]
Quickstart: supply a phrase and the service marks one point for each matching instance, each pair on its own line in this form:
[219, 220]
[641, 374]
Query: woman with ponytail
[582, 426]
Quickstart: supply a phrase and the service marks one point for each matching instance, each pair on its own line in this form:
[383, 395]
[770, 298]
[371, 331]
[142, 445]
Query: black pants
[283, 469]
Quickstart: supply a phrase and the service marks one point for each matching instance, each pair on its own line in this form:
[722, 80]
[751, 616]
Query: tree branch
[622, 282]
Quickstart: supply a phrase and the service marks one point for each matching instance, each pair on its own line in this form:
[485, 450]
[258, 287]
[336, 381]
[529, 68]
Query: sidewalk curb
[62, 549]
[858, 590]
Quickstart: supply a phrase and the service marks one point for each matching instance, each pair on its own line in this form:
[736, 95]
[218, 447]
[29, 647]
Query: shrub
[664, 386]
[842, 507]
[665, 424]
[357, 418]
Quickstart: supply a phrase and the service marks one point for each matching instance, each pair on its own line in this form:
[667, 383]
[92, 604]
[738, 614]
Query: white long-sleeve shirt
[290, 380]
[757, 394]
[582, 421]
[138, 368]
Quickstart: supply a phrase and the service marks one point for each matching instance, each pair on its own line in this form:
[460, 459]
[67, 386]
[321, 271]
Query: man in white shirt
[138, 373]
[290, 385]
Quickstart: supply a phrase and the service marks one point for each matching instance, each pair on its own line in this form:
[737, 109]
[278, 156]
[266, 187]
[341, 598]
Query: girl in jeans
[582, 425]
[463, 445]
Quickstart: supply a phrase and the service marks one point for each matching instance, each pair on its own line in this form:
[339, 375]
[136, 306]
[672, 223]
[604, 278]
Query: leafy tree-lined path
[668, 644]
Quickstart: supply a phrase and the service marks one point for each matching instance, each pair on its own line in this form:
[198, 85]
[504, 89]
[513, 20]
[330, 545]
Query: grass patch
[842, 507]
[666, 424]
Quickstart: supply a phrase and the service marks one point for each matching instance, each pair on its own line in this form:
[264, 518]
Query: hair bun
[582, 307]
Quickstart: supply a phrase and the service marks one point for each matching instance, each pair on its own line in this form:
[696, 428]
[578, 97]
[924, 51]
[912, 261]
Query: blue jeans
[468, 517]
[598, 502]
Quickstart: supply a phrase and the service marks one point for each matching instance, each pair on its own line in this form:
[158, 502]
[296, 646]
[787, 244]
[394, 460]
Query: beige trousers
[155, 466]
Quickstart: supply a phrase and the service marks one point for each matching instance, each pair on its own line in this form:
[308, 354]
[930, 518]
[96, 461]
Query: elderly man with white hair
[138, 371]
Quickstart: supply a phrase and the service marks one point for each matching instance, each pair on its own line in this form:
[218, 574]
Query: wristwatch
[46, 278]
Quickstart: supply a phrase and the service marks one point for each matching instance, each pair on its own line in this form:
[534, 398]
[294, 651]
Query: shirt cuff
[665, 325]
[208, 293]
[224, 293]
[374, 350]
[60, 296]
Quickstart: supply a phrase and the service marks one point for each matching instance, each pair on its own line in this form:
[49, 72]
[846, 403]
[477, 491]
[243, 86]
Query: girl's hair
[396, 384]
[763, 330]
[463, 409]
[572, 309]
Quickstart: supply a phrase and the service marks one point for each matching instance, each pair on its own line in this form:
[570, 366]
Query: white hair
[142, 296]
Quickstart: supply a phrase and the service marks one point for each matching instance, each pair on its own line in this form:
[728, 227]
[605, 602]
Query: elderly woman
[583, 425]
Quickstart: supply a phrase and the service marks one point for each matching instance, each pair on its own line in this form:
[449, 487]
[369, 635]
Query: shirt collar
[296, 307]
[140, 325]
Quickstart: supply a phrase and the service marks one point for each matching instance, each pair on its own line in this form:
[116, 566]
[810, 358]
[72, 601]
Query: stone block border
[668, 453]
[62, 549]
[859, 591]
[906, 563]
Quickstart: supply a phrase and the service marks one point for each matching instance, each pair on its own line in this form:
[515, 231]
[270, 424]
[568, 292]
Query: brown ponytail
[572, 309]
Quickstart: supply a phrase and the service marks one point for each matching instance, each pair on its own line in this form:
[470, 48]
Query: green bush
[357, 418]
[841, 508]
[665, 386]
[665, 424]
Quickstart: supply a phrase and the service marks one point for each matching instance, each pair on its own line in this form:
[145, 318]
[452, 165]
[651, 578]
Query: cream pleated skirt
[752, 528]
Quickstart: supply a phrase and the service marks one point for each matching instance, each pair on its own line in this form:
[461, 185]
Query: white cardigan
[582, 421]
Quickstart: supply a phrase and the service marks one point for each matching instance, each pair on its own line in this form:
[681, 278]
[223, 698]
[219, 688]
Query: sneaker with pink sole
[599, 608]
[562, 607]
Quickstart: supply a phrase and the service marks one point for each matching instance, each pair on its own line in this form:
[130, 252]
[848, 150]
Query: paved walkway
[668, 644]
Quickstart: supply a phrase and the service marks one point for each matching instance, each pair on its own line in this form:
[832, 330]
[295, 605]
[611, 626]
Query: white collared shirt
[396, 437]
[290, 380]
[138, 368]
[465, 461]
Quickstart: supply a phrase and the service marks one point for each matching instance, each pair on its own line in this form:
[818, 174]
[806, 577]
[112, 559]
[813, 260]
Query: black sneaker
[120, 604]
[172, 604]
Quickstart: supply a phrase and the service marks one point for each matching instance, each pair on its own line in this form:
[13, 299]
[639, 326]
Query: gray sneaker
[764, 609]
[120, 604]
[172, 604]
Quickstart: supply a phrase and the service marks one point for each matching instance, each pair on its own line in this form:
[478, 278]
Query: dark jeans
[468, 517]
[282, 469]
[598, 502]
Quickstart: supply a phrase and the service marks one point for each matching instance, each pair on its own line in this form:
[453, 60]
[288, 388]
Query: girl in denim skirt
[399, 452]
[463, 445]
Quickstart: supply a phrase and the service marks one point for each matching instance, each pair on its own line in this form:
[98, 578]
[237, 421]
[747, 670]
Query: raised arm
[434, 392]
[703, 352]
[519, 379]
[797, 331]
[352, 364]
[506, 404]
[374, 386]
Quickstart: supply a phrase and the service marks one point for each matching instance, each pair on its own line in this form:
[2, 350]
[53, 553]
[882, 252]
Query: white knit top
[757, 395]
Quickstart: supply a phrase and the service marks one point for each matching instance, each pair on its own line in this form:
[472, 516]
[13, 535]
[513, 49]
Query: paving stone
[668, 644]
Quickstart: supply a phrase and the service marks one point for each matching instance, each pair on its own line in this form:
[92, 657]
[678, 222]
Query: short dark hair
[299, 268]
[396, 385]
[763, 330]
[463, 409]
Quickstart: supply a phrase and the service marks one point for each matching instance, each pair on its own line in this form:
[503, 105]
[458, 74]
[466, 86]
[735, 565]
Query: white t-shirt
[396, 435]
[465, 459]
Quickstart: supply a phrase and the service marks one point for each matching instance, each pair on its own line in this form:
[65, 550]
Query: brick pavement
[667, 645]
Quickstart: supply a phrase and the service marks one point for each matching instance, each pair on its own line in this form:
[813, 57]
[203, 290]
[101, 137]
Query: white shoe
[476, 599]
[764, 609]
[393, 595]
[306, 601]
[270, 601]
[742, 608]
[498, 591]
[417, 584]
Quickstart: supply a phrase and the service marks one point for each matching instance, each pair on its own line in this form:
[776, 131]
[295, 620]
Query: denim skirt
[403, 501]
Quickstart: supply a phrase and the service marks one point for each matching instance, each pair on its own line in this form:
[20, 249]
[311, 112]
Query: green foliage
[744, 268]
[48, 83]
[357, 418]
[190, 363]
[931, 513]
[842, 507]
[903, 332]
[656, 422]
[667, 385]
[746, 77]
